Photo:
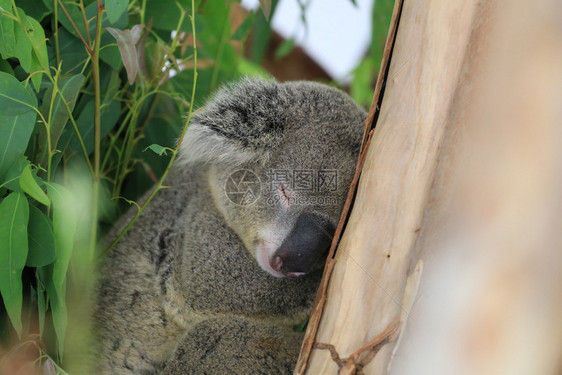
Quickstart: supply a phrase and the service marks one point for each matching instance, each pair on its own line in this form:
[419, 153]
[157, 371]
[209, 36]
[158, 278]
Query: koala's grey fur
[191, 288]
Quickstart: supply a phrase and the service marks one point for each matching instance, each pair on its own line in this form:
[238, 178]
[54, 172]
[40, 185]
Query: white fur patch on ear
[203, 145]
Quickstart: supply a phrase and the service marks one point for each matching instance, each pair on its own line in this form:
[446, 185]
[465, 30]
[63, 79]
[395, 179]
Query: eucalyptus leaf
[115, 8]
[75, 17]
[64, 140]
[262, 34]
[12, 178]
[33, 38]
[31, 187]
[22, 48]
[57, 302]
[15, 133]
[14, 216]
[34, 8]
[284, 49]
[71, 52]
[126, 41]
[380, 18]
[109, 115]
[5, 66]
[165, 14]
[15, 99]
[7, 35]
[244, 29]
[266, 8]
[361, 87]
[69, 88]
[64, 229]
[40, 238]
[158, 149]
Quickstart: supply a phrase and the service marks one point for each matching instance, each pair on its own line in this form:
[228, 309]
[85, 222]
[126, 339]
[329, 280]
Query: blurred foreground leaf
[41, 239]
[14, 216]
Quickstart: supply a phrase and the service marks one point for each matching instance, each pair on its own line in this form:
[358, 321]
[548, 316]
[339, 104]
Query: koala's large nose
[308, 241]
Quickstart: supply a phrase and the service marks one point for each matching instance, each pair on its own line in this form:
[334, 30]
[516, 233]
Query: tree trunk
[459, 197]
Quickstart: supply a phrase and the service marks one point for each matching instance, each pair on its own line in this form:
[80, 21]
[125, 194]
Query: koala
[223, 264]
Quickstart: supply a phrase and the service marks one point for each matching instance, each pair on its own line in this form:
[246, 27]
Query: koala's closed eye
[284, 194]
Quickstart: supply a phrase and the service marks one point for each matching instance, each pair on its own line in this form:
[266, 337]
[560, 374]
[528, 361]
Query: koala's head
[281, 157]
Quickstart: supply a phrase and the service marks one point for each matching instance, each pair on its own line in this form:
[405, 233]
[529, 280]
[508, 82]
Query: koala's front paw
[235, 345]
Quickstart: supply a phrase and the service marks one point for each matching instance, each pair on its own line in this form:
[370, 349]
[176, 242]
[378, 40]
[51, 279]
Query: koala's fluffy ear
[243, 122]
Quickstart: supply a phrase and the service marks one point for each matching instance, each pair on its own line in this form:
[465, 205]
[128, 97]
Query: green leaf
[111, 55]
[5, 66]
[361, 89]
[33, 40]
[41, 239]
[22, 47]
[262, 34]
[285, 48]
[115, 8]
[244, 29]
[57, 303]
[64, 229]
[266, 8]
[34, 8]
[126, 41]
[7, 35]
[111, 91]
[14, 215]
[15, 99]
[301, 327]
[41, 307]
[158, 149]
[15, 133]
[72, 52]
[75, 15]
[380, 18]
[69, 87]
[30, 186]
[109, 116]
[248, 68]
[165, 14]
[12, 178]
[64, 140]
[183, 81]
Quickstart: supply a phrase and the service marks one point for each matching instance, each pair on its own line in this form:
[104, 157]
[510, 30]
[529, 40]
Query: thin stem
[115, 137]
[176, 149]
[48, 124]
[143, 7]
[85, 20]
[178, 32]
[128, 142]
[88, 48]
[78, 135]
[56, 33]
